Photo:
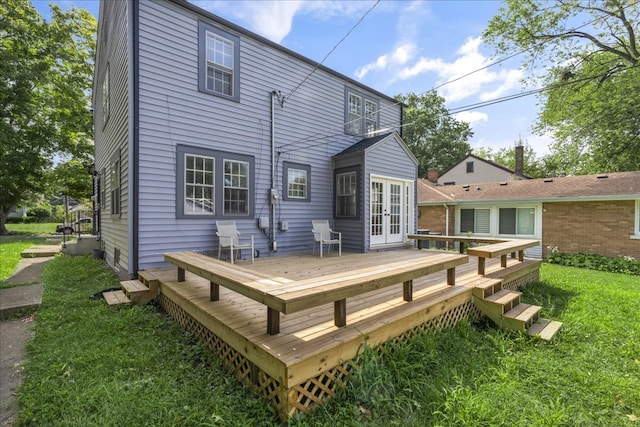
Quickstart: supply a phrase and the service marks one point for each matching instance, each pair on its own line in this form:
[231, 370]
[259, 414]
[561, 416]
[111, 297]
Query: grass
[32, 228]
[90, 365]
[10, 249]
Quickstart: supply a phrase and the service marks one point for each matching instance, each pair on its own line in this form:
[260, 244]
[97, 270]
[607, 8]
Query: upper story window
[296, 178]
[213, 184]
[361, 113]
[219, 62]
[355, 114]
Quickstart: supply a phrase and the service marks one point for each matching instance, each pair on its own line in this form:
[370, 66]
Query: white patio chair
[228, 239]
[323, 234]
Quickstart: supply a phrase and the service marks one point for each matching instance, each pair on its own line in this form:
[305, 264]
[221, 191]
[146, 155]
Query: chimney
[432, 175]
[519, 160]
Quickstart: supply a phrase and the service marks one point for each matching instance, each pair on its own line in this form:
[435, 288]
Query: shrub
[625, 265]
[38, 214]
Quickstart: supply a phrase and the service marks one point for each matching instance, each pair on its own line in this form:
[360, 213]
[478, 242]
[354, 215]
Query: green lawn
[32, 229]
[93, 366]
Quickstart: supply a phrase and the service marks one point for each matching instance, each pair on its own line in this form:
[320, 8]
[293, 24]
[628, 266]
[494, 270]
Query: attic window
[469, 167]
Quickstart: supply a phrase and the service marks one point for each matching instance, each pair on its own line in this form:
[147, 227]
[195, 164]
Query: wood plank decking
[306, 361]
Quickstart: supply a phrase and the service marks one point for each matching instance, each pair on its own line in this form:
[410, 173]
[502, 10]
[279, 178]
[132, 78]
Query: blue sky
[399, 47]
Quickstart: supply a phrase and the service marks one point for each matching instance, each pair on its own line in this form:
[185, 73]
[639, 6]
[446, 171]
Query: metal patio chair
[322, 234]
[228, 239]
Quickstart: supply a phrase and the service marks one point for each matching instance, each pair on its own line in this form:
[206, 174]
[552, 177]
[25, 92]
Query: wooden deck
[306, 360]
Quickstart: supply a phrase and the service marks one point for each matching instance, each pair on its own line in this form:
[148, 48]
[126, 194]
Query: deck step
[148, 278]
[545, 328]
[484, 287]
[137, 291]
[116, 298]
[523, 312]
[506, 298]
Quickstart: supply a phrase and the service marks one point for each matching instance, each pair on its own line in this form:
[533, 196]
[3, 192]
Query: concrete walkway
[16, 332]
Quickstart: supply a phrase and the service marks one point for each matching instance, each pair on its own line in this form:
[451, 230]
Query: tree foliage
[591, 57]
[45, 80]
[436, 139]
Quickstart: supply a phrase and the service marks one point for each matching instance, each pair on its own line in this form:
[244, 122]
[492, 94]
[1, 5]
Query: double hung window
[219, 59]
[296, 178]
[361, 113]
[211, 183]
[347, 194]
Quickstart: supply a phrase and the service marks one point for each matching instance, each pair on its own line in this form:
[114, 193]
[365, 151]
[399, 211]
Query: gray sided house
[198, 120]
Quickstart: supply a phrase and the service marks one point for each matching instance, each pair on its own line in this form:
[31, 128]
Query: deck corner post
[521, 255]
[181, 274]
[503, 261]
[273, 321]
[340, 313]
[481, 266]
[451, 276]
[214, 292]
[407, 290]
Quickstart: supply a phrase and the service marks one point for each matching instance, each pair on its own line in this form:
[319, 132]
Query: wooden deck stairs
[138, 291]
[505, 309]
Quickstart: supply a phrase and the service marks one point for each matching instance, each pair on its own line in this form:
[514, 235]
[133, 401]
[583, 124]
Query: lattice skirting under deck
[303, 397]
[522, 281]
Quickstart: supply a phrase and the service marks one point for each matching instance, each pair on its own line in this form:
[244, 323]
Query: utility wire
[332, 50]
[317, 137]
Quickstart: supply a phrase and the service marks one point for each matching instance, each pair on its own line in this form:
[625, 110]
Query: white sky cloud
[472, 117]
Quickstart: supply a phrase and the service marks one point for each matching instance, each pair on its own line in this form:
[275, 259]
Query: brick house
[597, 214]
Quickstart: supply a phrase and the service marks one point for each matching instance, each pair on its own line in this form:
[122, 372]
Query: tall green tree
[591, 56]
[437, 139]
[45, 81]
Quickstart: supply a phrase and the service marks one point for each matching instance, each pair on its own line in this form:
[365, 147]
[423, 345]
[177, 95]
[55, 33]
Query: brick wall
[433, 218]
[600, 227]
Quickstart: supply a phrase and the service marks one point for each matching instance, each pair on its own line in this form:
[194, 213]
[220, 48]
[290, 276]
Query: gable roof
[368, 143]
[489, 162]
[613, 186]
[241, 30]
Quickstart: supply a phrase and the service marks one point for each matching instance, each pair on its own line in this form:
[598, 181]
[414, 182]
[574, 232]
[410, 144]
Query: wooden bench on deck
[501, 250]
[419, 238]
[282, 295]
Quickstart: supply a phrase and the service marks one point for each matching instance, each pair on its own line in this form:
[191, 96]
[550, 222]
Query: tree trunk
[4, 213]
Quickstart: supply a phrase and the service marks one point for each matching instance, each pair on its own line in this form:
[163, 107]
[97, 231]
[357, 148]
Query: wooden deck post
[407, 290]
[181, 274]
[273, 321]
[503, 261]
[215, 292]
[340, 313]
[481, 266]
[451, 276]
[521, 255]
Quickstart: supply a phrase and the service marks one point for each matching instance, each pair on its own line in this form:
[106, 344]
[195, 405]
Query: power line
[331, 51]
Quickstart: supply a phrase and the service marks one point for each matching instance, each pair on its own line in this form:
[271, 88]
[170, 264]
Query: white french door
[389, 204]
